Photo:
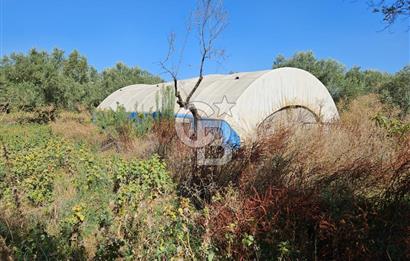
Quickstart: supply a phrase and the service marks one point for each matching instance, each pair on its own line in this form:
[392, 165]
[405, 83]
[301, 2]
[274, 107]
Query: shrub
[397, 91]
[393, 126]
[139, 180]
[153, 222]
[121, 128]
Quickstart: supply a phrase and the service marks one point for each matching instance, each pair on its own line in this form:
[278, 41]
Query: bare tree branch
[172, 72]
[210, 20]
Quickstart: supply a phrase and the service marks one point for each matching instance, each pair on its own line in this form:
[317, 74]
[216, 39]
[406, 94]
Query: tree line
[39, 78]
[347, 84]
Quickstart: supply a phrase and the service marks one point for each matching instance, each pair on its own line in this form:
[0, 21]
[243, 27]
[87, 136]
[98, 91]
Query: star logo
[224, 107]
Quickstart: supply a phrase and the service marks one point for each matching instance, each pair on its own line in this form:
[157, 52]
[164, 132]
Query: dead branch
[210, 21]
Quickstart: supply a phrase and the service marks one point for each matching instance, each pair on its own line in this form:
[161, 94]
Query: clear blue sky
[135, 32]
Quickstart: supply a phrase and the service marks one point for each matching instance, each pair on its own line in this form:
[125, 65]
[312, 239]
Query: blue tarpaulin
[229, 136]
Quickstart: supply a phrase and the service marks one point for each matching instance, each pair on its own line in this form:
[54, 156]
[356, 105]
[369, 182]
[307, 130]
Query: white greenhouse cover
[244, 100]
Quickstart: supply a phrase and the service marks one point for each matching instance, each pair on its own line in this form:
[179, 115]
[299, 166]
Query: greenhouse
[250, 103]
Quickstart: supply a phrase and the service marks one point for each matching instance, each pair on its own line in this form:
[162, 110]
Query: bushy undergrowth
[59, 200]
[338, 191]
[332, 192]
[121, 125]
[124, 128]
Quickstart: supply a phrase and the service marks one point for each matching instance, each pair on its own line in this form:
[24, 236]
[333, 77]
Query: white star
[224, 107]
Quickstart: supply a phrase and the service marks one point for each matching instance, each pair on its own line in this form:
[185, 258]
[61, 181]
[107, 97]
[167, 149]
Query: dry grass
[353, 148]
[353, 151]
[78, 127]
[137, 147]
[65, 189]
[329, 187]
[79, 132]
[15, 117]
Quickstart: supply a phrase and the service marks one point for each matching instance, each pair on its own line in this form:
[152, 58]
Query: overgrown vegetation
[122, 127]
[59, 200]
[330, 192]
[79, 184]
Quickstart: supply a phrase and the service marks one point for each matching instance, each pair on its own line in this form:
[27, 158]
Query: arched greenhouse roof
[244, 100]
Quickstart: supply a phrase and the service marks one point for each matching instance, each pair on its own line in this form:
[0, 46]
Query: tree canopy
[39, 78]
[347, 84]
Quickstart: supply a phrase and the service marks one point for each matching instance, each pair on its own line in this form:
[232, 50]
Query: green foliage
[139, 180]
[158, 229]
[284, 249]
[32, 165]
[341, 83]
[329, 72]
[121, 75]
[394, 127]
[397, 91]
[25, 95]
[165, 102]
[34, 243]
[130, 207]
[30, 168]
[39, 78]
[162, 221]
[120, 125]
[154, 223]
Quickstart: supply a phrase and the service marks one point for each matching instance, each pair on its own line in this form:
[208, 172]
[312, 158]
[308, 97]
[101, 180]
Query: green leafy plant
[394, 127]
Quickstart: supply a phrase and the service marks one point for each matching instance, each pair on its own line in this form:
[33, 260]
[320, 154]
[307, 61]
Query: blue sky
[135, 32]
